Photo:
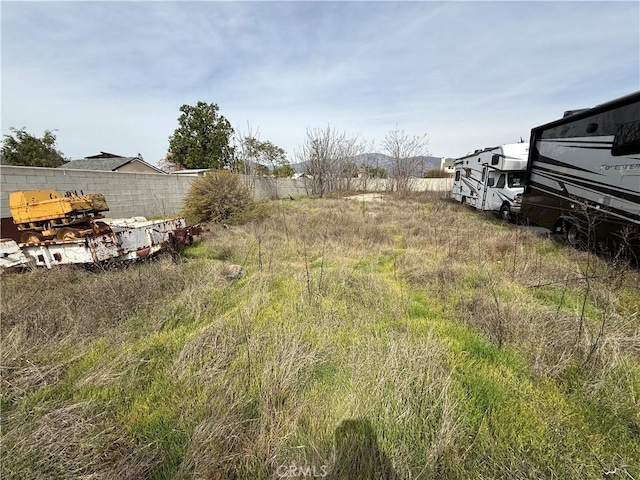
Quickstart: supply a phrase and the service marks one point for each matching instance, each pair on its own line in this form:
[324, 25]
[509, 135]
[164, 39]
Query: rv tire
[505, 212]
[572, 234]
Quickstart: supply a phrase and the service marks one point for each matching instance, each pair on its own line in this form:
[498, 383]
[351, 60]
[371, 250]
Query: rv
[492, 179]
[583, 175]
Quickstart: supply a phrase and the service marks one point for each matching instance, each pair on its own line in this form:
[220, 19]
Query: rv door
[483, 186]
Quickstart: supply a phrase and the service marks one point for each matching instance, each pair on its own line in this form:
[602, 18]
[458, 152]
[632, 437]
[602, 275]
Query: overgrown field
[402, 339]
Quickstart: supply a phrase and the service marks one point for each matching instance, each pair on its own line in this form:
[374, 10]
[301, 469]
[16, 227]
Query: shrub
[216, 196]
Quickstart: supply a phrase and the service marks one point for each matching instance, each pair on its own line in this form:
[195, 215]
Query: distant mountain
[377, 160]
[380, 160]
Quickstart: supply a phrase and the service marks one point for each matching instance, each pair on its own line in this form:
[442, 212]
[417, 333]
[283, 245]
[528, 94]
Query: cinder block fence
[128, 194]
[151, 194]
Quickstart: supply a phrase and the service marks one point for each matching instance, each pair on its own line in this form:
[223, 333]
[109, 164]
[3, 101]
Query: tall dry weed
[71, 441]
[48, 305]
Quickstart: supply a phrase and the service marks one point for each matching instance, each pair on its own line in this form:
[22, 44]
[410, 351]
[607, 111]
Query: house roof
[192, 171]
[108, 155]
[106, 162]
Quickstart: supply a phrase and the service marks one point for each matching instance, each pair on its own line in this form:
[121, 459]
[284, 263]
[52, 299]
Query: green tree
[203, 139]
[265, 152]
[22, 148]
[376, 172]
[256, 155]
[283, 171]
[262, 170]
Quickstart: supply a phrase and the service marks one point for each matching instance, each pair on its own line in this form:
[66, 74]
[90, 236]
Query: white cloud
[112, 76]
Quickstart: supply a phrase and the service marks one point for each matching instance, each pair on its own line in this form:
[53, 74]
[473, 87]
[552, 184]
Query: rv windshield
[516, 179]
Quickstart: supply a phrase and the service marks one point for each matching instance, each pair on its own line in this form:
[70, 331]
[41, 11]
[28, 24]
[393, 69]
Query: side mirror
[491, 182]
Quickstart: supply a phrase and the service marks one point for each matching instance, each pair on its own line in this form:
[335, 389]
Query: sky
[111, 76]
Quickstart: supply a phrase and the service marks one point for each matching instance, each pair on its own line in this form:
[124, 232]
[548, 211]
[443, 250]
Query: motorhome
[492, 179]
[583, 175]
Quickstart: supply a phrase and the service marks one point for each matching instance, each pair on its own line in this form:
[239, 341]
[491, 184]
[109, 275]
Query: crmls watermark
[298, 471]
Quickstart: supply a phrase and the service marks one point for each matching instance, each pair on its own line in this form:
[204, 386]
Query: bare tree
[328, 158]
[405, 152]
[245, 158]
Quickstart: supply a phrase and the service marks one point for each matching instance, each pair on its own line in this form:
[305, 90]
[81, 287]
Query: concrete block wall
[265, 187]
[153, 195]
[128, 194]
[432, 184]
[283, 187]
[416, 184]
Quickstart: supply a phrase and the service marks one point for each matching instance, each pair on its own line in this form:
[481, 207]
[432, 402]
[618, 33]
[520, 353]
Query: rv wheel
[505, 212]
[572, 234]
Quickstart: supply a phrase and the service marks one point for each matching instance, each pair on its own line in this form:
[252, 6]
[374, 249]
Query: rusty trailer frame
[129, 239]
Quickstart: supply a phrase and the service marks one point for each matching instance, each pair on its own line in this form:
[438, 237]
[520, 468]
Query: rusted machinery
[128, 239]
[67, 230]
[45, 215]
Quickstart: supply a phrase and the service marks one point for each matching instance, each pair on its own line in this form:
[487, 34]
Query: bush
[216, 196]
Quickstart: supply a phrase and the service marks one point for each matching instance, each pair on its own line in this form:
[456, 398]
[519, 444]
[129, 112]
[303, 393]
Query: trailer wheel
[505, 212]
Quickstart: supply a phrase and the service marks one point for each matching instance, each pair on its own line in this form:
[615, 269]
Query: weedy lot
[396, 339]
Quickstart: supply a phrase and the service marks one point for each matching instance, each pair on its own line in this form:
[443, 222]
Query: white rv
[492, 179]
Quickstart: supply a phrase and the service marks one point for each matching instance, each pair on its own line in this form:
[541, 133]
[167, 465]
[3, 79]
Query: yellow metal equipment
[45, 214]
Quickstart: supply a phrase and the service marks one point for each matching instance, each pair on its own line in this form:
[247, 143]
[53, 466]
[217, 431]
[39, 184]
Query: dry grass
[71, 303]
[46, 312]
[397, 339]
[78, 440]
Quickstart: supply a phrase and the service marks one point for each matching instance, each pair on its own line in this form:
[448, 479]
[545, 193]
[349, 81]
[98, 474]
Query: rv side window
[457, 175]
[627, 139]
[495, 159]
[500, 183]
[467, 172]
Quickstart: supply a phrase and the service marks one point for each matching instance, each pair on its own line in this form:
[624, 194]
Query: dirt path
[368, 197]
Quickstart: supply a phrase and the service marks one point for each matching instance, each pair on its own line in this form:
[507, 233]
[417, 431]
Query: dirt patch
[368, 197]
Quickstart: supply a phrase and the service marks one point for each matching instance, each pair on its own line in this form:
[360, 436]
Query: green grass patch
[382, 342]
